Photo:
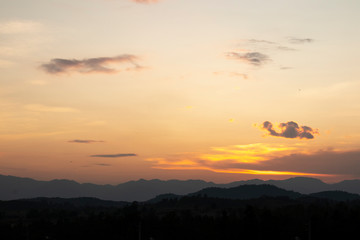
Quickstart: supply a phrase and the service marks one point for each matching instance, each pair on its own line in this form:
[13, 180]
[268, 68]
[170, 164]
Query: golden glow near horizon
[215, 90]
[222, 160]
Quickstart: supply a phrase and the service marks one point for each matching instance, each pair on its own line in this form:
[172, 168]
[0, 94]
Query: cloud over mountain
[89, 65]
[289, 130]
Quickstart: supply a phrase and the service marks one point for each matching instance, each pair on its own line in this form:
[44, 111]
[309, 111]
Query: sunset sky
[107, 91]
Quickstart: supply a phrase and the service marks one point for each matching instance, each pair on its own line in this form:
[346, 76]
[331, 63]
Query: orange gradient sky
[108, 91]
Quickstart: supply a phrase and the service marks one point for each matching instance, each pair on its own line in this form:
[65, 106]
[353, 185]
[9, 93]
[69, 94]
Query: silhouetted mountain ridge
[17, 188]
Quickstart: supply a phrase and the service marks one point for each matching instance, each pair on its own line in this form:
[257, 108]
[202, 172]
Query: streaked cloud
[103, 164]
[289, 130]
[115, 155]
[268, 45]
[300, 40]
[44, 108]
[90, 65]
[260, 41]
[253, 58]
[84, 141]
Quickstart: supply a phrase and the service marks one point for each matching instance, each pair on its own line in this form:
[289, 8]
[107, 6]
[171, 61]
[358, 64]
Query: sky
[108, 91]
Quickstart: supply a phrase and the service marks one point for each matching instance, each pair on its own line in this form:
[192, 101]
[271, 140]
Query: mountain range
[12, 188]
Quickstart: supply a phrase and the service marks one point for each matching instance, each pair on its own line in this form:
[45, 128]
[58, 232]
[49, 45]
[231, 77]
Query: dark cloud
[84, 141]
[90, 65]
[300, 40]
[115, 155]
[253, 58]
[290, 130]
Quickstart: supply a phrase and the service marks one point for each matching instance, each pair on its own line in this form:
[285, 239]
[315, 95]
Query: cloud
[289, 130]
[43, 108]
[103, 164]
[268, 159]
[83, 141]
[253, 58]
[115, 155]
[300, 40]
[145, 1]
[260, 41]
[256, 159]
[90, 65]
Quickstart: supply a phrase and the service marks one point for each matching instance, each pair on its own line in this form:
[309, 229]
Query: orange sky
[107, 91]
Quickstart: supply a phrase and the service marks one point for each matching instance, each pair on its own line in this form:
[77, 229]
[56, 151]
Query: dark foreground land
[189, 217]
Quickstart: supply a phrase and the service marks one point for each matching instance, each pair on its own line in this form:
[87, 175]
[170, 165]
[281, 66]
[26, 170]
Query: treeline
[196, 217]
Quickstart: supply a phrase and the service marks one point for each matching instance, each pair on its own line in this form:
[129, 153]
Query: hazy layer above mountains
[17, 188]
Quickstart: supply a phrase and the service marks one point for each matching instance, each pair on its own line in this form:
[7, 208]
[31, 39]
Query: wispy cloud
[84, 141]
[260, 41]
[44, 108]
[300, 40]
[253, 58]
[90, 65]
[114, 155]
[289, 130]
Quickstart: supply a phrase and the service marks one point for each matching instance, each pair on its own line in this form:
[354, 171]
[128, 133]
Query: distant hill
[336, 195]
[247, 192]
[17, 188]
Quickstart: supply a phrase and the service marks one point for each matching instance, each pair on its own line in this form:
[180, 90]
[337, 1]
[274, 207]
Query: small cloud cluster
[83, 141]
[115, 155]
[253, 58]
[290, 130]
[90, 65]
